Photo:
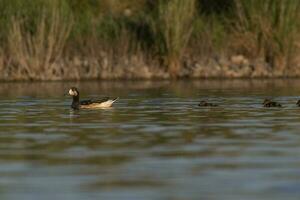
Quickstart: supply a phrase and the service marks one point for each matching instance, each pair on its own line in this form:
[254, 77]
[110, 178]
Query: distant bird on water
[105, 102]
[206, 104]
[269, 103]
[298, 103]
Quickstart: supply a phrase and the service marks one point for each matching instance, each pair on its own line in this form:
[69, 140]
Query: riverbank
[137, 67]
[142, 39]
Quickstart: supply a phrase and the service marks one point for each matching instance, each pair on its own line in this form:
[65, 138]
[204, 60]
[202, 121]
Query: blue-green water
[154, 144]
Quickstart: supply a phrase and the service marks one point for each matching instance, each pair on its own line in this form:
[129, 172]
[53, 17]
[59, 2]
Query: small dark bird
[206, 104]
[298, 103]
[97, 103]
[269, 103]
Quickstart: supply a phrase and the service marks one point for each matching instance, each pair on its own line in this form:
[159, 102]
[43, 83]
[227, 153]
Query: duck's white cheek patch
[71, 92]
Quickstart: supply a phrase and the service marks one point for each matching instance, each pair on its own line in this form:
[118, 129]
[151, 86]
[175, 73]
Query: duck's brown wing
[275, 104]
[272, 104]
[91, 101]
[86, 102]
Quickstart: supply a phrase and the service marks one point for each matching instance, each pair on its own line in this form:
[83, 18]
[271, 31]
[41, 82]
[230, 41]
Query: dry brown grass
[267, 29]
[173, 29]
[36, 55]
[131, 38]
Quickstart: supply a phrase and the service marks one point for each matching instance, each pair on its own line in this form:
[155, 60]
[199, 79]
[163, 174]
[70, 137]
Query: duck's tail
[115, 99]
[108, 103]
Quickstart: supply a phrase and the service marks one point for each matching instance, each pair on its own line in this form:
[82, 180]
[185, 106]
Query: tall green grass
[172, 24]
[36, 34]
[36, 47]
[268, 28]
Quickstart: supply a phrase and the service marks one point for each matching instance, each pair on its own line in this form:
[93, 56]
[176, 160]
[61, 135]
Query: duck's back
[98, 103]
[272, 104]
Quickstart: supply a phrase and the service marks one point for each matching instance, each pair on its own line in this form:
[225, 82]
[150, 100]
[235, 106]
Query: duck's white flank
[105, 104]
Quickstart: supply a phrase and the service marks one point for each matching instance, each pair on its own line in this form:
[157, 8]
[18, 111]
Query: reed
[41, 38]
[36, 54]
[268, 29]
[172, 26]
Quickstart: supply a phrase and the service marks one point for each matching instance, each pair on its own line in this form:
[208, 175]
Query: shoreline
[138, 68]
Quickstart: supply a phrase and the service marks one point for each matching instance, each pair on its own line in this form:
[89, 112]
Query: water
[155, 144]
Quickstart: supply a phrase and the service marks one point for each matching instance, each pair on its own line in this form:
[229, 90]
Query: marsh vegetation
[104, 39]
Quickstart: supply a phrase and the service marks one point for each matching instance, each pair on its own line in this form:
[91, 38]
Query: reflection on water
[154, 144]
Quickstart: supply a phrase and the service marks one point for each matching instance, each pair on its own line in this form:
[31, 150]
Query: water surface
[154, 144]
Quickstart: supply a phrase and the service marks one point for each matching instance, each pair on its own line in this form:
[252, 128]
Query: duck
[206, 104]
[105, 102]
[269, 103]
[298, 103]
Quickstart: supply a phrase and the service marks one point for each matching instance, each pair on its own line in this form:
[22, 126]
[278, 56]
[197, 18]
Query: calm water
[155, 144]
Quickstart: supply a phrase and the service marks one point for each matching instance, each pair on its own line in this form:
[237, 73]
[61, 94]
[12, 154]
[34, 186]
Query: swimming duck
[206, 104]
[98, 103]
[298, 103]
[269, 103]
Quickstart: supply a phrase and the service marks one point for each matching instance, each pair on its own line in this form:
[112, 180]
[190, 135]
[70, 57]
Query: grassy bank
[79, 39]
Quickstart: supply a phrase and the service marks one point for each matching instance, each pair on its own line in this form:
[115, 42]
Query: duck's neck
[75, 102]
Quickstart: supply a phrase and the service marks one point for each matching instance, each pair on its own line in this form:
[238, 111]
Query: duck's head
[266, 101]
[73, 92]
